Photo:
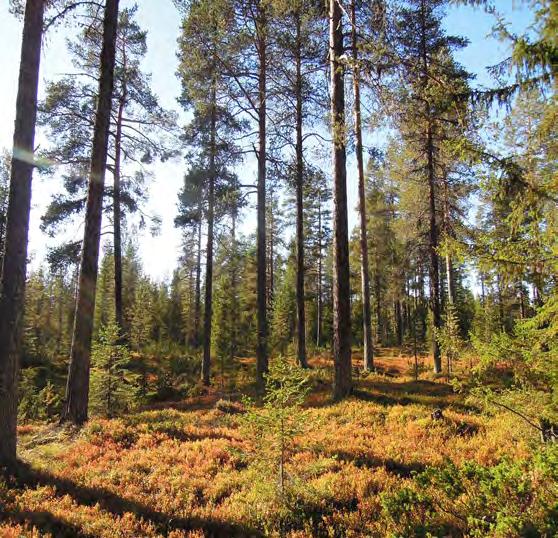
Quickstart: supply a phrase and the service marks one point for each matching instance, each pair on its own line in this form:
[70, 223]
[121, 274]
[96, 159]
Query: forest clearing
[280, 268]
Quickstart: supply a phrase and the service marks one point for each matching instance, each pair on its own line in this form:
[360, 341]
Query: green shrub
[512, 498]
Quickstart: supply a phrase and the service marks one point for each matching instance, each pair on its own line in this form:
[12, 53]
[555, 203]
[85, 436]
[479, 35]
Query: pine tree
[77, 391]
[141, 130]
[368, 359]
[432, 85]
[342, 384]
[12, 285]
[300, 31]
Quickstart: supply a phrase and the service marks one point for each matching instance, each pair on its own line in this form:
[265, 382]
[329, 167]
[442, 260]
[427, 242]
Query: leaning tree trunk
[12, 290]
[208, 312]
[77, 389]
[261, 349]
[342, 384]
[301, 314]
[368, 356]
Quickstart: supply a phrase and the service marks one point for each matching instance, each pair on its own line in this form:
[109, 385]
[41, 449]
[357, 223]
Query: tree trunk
[422, 302]
[197, 304]
[499, 286]
[450, 280]
[378, 293]
[300, 306]
[342, 384]
[12, 290]
[320, 276]
[117, 218]
[208, 312]
[261, 351]
[434, 258]
[270, 254]
[77, 389]
[368, 355]
[234, 287]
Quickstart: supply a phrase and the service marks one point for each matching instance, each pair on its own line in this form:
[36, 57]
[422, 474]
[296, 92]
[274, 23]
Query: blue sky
[162, 21]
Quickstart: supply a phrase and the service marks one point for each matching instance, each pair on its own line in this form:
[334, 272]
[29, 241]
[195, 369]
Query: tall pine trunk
[368, 355]
[433, 251]
[208, 312]
[197, 299]
[117, 218]
[300, 307]
[77, 389]
[12, 291]
[261, 350]
[342, 384]
[434, 270]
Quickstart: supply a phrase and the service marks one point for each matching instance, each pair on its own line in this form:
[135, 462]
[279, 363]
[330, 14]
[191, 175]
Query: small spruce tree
[114, 387]
[273, 428]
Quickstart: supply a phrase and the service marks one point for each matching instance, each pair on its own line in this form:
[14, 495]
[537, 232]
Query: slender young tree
[342, 384]
[432, 84]
[14, 264]
[261, 43]
[301, 314]
[77, 389]
[368, 358]
[211, 133]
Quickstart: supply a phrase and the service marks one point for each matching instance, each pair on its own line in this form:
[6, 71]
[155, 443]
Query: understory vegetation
[377, 464]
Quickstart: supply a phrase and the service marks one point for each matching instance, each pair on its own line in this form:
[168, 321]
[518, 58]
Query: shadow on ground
[25, 476]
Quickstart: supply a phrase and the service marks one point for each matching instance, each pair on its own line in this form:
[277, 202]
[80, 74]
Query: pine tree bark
[117, 217]
[197, 300]
[342, 384]
[300, 306]
[368, 352]
[261, 349]
[14, 263]
[77, 389]
[208, 312]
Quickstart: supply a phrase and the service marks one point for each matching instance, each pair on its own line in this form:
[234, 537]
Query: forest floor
[184, 468]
